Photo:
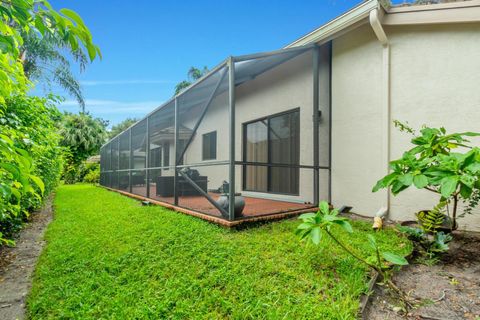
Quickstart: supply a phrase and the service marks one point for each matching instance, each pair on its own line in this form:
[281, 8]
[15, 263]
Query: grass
[108, 257]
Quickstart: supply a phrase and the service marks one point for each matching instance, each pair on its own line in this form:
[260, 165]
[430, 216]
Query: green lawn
[108, 257]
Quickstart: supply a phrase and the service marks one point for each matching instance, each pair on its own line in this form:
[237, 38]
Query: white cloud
[123, 82]
[102, 107]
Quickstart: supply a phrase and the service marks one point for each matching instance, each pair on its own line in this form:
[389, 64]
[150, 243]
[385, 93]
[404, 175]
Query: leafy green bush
[93, 173]
[30, 155]
[31, 158]
[82, 137]
[73, 172]
[432, 165]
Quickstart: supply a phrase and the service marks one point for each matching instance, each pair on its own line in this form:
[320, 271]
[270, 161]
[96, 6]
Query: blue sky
[149, 45]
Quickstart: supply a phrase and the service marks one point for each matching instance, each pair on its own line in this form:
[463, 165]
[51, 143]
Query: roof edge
[453, 12]
[436, 6]
[329, 29]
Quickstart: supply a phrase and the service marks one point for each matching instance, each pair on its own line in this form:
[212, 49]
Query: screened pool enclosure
[253, 127]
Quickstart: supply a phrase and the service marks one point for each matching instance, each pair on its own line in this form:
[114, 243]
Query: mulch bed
[449, 289]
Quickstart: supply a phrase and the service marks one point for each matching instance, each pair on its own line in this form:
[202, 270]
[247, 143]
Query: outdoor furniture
[138, 180]
[165, 186]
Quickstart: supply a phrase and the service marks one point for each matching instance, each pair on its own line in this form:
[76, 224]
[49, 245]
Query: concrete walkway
[19, 263]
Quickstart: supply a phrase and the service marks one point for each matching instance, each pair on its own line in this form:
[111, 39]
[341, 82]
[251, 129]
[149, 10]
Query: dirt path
[447, 290]
[17, 264]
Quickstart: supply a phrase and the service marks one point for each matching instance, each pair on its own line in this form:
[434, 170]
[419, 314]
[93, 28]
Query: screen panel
[139, 145]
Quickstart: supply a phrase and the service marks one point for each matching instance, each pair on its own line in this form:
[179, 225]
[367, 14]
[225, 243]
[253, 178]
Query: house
[311, 121]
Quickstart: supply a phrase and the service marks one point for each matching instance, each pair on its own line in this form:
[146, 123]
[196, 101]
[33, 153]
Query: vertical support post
[316, 67]
[175, 152]
[231, 111]
[118, 163]
[147, 157]
[130, 162]
[330, 122]
[110, 165]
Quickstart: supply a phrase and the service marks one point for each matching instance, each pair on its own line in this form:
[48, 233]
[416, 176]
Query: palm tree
[193, 75]
[82, 134]
[45, 59]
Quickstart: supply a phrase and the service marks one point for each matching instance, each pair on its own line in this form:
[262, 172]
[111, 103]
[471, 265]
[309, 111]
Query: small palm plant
[315, 225]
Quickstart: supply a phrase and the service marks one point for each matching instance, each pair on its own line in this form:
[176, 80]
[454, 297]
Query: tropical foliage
[82, 136]
[122, 126]
[30, 157]
[46, 61]
[430, 237]
[92, 173]
[193, 75]
[432, 165]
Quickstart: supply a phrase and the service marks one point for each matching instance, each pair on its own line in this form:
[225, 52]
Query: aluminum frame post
[147, 158]
[130, 162]
[330, 122]
[231, 110]
[316, 67]
[175, 152]
[118, 163]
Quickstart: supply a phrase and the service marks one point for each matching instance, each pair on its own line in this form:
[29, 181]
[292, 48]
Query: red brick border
[217, 220]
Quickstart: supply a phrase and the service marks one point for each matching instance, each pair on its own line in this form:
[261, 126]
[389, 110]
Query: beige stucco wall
[283, 88]
[435, 72]
[356, 121]
[435, 76]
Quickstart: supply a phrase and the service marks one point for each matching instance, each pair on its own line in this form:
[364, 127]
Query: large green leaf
[38, 182]
[465, 191]
[324, 207]
[474, 168]
[307, 215]
[406, 179]
[13, 169]
[74, 16]
[385, 182]
[372, 241]
[467, 180]
[344, 224]
[394, 258]
[448, 186]
[316, 235]
[420, 181]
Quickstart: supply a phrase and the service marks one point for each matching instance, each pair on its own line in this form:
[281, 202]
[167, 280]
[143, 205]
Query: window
[271, 146]
[209, 150]
[166, 154]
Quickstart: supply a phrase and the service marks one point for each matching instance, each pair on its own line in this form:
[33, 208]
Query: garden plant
[432, 165]
[30, 155]
[314, 225]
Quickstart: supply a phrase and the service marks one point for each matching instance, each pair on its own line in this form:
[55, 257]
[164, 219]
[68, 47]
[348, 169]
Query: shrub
[93, 175]
[31, 159]
[432, 165]
[73, 173]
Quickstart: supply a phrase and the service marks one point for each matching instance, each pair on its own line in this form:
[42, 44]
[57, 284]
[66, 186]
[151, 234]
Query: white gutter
[375, 18]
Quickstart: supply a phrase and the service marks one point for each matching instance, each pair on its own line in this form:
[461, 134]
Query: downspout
[375, 22]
